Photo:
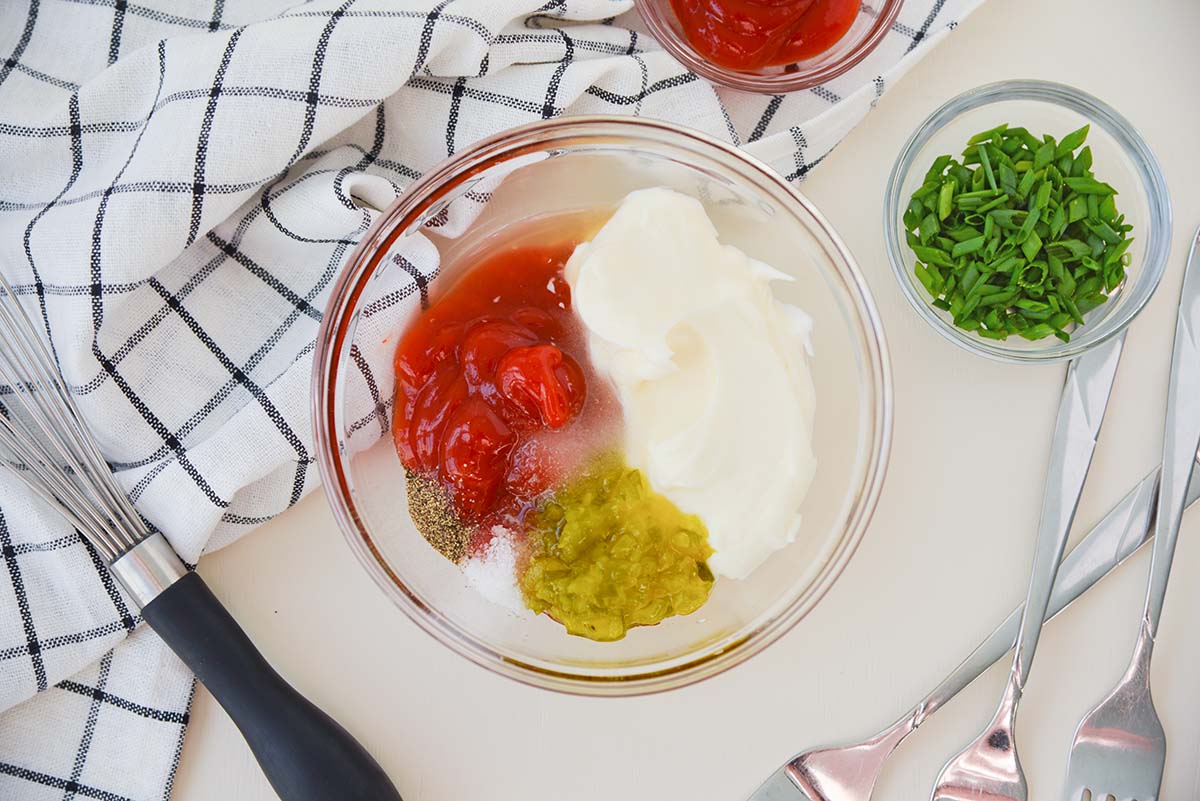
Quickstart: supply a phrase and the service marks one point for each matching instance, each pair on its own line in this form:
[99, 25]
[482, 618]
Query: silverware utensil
[989, 767]
[1120, 747]
[304, 753]
[849, 772]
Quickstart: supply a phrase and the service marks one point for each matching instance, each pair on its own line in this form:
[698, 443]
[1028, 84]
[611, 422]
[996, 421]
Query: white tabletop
[945, 559]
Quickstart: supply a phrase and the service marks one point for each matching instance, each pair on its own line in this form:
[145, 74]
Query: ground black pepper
[434, 516]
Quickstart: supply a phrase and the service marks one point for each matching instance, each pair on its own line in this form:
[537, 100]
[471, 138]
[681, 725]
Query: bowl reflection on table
[575, 167]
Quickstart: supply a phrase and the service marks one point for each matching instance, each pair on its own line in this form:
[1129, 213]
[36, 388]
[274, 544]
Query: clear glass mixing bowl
[581, 164]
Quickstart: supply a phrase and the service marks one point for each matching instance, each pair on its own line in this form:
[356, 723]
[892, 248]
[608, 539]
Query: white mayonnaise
[710, 370]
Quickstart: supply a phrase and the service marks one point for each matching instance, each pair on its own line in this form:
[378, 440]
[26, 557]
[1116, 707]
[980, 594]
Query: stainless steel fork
[1120, 747]
[989, 768]
[849, 772]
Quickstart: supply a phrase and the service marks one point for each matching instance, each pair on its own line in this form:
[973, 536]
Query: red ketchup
[492, 384]
[752, 34]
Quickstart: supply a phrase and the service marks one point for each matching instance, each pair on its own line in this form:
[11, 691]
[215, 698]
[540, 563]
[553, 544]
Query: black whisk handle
[304, 753]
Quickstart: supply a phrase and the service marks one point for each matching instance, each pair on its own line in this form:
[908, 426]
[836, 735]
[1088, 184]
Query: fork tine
[1076, 791]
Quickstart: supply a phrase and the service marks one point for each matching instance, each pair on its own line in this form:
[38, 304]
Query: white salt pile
[493, 574]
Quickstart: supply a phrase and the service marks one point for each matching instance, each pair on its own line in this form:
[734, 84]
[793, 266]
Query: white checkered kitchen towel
[179, 185]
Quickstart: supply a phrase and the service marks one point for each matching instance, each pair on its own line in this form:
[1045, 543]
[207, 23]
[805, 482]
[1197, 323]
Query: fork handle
[1181, 437]
[304, 753]
[1085, 396]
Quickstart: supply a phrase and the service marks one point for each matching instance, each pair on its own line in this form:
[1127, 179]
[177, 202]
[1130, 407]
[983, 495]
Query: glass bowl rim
[334, 334]
[758, 82]
[1146, 166]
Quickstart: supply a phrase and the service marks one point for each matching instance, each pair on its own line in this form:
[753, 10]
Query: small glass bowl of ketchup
[768, 46]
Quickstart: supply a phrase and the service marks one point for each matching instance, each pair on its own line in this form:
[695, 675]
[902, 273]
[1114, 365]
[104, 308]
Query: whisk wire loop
[43, 430]
[52, 486]
[67, 415]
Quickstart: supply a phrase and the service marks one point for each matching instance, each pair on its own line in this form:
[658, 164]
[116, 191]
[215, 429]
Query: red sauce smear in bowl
[494, 386]
[753, 34]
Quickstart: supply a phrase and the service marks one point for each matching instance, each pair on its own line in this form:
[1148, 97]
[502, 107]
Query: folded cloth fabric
[180, 182]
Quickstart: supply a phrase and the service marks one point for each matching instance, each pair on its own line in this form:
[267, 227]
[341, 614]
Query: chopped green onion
[987, 167]
[1089, 186]
[1071, 142]
[937, 168]
[964, 248]
[946, 198]
[1017, 236]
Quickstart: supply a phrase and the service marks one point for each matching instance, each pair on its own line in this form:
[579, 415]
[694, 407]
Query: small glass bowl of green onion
[1027, 221]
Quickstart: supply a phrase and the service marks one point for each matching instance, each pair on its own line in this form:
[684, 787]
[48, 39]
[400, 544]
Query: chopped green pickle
[609, 553]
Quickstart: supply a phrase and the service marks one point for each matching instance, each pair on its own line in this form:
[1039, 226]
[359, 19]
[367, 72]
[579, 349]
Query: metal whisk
[51, 450]
[305, 754]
